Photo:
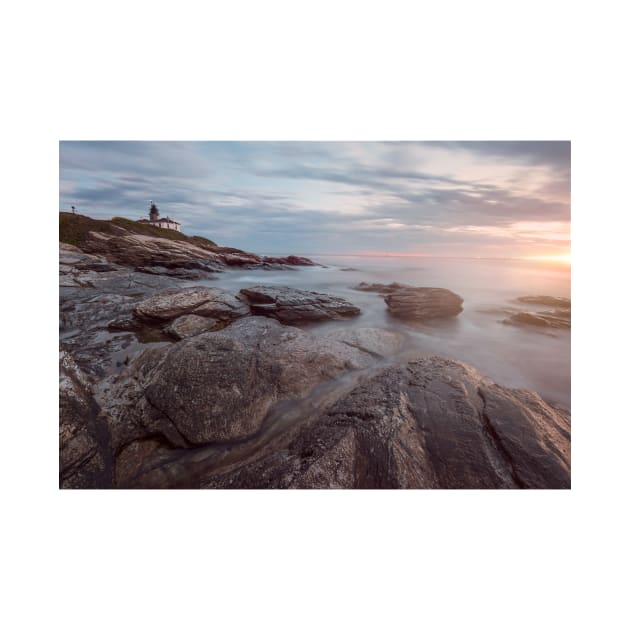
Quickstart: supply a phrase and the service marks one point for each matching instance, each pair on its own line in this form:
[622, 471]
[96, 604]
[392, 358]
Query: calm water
[512, 356]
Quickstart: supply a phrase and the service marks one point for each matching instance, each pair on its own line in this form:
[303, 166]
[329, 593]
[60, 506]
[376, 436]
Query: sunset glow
[558, 258]
[441, 199]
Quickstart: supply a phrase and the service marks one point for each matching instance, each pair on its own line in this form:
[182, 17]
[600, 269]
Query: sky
[465, 199]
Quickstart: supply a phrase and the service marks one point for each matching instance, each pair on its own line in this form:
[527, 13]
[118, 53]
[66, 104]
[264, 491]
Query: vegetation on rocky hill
[74, 230]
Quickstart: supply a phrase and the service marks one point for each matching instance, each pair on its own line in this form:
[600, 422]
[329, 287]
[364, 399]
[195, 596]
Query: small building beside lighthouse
[161, 222]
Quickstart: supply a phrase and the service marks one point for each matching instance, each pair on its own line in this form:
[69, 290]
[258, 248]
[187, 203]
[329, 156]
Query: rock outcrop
[85, 457]
[153, 250]
[433, 423]
[293, 306]
[219, 386]
[202, 301]
[423, 303]
[137, 250]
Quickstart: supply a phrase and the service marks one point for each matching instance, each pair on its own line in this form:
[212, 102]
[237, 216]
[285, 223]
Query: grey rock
[182, 274]
[219, 386]
[433, 423]
[85, 459]
[203, 301]
[190, 325]
[423, 303]
[373, 341]
[299, 261]
[137, 250]
[541, 320]
[293, 306]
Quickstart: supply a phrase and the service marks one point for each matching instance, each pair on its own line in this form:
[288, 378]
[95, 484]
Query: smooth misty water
[537, 359]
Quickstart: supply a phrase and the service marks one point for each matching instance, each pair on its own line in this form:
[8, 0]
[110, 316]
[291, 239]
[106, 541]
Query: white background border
[326, 71]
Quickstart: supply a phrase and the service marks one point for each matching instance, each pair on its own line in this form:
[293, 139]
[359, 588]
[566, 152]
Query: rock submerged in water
[546, 300]
[293, 306]
[434, 423]
[423, 303]
[558, 317]
[544, 320]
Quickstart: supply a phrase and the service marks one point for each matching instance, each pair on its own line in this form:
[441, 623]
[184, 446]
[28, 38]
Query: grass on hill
[74, 230]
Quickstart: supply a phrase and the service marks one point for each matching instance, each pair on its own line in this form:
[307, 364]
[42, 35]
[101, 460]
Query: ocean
[531, 358]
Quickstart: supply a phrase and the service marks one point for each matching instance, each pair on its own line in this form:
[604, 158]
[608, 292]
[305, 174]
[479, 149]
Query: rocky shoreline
[164, 384]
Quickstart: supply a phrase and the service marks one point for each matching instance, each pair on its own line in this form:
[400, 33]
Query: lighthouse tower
[154, 220]
[154, 213]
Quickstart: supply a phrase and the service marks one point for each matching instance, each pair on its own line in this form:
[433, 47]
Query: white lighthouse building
[157, 221]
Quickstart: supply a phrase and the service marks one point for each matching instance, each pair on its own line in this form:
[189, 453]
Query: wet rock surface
[433, 423]
[383, 289]
[546, 300]
[293, 306]
[202, 301]
[219, 386]
[557, 317]
[96, 302]
[423, 303]
[190, 325]
[546, 319]
[85, 455]
[163, 385]
[289, 260]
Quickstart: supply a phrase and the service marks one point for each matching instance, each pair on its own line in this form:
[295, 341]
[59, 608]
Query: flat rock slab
[422, 303]
[293, 306]
[546, 300]
[203, 301]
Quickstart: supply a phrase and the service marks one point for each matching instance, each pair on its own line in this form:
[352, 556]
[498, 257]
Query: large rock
[85, 459]
[422, 303]
[219, 386]
[202, 301]
[433, 423]
[293, 306]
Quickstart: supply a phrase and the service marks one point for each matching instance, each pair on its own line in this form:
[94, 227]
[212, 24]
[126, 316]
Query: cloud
[332, 196]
